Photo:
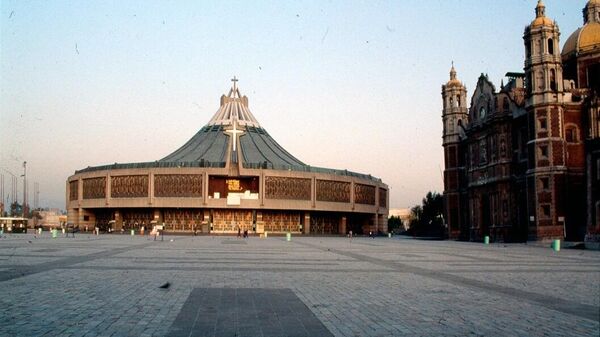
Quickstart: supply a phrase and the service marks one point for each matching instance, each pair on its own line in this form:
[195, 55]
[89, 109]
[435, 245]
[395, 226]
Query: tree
[427, 219]
[395, 223]
[16, 209]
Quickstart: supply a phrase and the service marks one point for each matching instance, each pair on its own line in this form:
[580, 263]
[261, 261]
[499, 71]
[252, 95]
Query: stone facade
[230, 176]
[517, 159]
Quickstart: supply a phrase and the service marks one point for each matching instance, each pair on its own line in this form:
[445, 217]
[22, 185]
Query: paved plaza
[119, 285]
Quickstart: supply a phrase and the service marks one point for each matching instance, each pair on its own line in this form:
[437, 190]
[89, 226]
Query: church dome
[541, 19]
[587, 38]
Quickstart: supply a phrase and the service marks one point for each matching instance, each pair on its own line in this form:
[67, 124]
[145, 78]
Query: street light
[24, 189]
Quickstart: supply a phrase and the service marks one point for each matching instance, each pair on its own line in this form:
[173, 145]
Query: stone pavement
[110, 285]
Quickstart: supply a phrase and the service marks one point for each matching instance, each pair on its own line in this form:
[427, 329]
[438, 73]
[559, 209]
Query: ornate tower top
[540, 16]
[591, 12]
[453, 80]
[234, 109]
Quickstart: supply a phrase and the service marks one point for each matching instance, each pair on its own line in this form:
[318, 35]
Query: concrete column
[108, 188]
[313, 191]
[118, 220]
[342, 227]
[79, 192]
[79, 216]
[306, 227]
[205, 189]
[261, 188]
[150, 188]
[352, 194]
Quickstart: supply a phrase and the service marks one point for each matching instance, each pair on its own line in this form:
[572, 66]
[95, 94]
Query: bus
[13, 225]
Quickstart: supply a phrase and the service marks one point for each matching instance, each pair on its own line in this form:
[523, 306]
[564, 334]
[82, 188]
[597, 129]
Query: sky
[350, 85]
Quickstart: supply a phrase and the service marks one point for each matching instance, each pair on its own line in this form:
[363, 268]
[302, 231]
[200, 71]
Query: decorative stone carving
[94, 188]
[129, 186]
[382, 197]
[364, 194]
[74, 190]
[178, 185]
[335, 191]
[287, 188]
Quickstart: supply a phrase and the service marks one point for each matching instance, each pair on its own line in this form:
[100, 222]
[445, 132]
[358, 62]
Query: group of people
[240, 233]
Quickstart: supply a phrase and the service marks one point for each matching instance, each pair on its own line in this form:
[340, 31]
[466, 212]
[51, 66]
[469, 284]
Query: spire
[540, 9]
[591, 12]
[234, 109]
[452, 72]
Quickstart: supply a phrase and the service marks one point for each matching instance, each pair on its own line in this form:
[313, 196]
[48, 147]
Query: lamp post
[24, 189]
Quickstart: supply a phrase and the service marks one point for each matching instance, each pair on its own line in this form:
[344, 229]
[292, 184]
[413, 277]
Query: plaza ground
[120, 285]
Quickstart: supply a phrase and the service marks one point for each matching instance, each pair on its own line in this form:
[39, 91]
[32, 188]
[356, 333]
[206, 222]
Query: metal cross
[234, 80]
[234, 132]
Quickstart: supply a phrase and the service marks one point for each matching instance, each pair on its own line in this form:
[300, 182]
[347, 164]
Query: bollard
[486, 240]
[288, 236]
[389, 235]
[556, 245]
[132, 233]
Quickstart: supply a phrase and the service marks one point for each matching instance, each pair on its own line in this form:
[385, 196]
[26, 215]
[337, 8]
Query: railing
[307, 168]
[154, 164]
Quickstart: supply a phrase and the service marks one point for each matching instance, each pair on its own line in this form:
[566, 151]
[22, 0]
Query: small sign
[531, 218]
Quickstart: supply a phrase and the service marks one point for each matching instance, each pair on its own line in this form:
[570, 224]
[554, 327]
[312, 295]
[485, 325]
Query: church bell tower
[455, 118]
[546, 174]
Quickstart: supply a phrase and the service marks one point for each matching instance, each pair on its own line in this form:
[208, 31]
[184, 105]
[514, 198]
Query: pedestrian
[350, 235]
[240, 232]
[245, 234]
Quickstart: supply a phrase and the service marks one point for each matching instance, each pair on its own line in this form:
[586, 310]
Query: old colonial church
[522, 162]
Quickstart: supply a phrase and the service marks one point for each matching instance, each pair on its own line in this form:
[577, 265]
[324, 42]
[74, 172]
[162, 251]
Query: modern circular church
[231, 175]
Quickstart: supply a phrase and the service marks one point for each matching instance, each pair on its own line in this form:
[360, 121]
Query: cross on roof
[234, 80]
[234, 133]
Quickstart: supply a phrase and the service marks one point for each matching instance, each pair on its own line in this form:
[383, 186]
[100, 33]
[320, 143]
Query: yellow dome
[540, 16]
[584, 39]
[542, 21]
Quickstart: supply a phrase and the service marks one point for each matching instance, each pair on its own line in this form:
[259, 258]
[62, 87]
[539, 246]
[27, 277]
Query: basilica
[522, 161]
[231, 176]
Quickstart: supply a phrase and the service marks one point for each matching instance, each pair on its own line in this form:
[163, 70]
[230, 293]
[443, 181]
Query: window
[544, 151]
[505, 105]
[458, 100]
[502, 148]
[545, 182]
[550, 46]
[543, 124]
[546, 211]
[86, 218]
[571, 135]
[482, 152]
[553, 80]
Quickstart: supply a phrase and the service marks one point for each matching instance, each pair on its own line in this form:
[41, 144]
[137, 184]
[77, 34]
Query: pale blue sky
[340, 84]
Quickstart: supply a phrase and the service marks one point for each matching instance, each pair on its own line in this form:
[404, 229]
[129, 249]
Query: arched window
[458, 100]
[550, 46]
[571, 134]
[539, 80]
[553, 80]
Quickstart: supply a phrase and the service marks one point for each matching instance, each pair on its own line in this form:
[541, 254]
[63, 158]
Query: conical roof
[232, 136]
[234, 128]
